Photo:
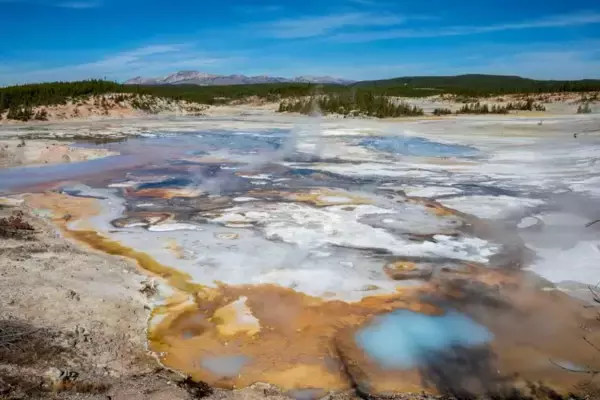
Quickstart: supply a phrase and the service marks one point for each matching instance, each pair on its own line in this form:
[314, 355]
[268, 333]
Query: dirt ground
[72, 323]
[20, 152]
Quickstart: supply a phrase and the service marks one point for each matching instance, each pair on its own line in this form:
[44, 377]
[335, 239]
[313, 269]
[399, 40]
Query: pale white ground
[492, 207]
[304, 261]
[559, 103]
[41, 152]
[537, 179]
[522, 165]
[427, 191]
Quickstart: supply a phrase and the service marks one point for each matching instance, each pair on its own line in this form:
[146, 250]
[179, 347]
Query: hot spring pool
[405, 339]
[416, 146]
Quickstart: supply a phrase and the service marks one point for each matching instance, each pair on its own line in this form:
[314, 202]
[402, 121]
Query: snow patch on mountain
[205, 79]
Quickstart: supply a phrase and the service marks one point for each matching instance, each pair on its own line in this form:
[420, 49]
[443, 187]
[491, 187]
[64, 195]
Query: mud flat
[357, 257]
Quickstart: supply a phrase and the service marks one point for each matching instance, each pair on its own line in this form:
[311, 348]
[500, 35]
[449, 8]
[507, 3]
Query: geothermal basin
[383, 256]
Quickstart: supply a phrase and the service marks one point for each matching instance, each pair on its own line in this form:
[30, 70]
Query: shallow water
[404, 339]
[23, 178]
[227, 366]
[416, 146]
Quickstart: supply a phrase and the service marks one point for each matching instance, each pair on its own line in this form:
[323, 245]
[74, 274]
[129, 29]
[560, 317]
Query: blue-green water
[404, 339]
[416, 146]
[225, 365]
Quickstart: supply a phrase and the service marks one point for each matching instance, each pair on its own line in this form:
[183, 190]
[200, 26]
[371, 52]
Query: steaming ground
[253, 225]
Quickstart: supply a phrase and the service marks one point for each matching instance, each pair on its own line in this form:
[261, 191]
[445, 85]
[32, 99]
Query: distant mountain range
[204, 79]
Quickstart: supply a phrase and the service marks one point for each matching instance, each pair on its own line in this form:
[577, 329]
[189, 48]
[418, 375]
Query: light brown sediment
[77, 208]
[297, 329]
[174, 248]
[293, 340]
[166, 193]
[316, 197]
[434, 207]
[293, 348]
[61, 205]
[27, 152]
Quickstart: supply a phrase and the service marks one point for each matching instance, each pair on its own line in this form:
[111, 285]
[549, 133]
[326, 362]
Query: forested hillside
[367, 97]
[59, 92]
[360, 102]
[475, 85]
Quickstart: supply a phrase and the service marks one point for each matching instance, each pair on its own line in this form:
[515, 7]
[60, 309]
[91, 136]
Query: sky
[50, 40]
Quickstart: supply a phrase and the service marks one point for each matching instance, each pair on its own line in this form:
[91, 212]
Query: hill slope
[478, 84]
[16, 102]
[204, 79]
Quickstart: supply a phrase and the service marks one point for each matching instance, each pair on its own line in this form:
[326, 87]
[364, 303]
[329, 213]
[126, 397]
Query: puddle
[167, 183]
[307, 394]
[415, 146]
[404, 339]
[227, 366]
[24, 177]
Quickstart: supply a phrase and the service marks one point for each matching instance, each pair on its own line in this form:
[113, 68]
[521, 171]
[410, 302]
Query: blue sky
[45, 40]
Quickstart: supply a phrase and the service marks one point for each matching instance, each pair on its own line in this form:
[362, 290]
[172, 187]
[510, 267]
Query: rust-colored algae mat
[235, 335]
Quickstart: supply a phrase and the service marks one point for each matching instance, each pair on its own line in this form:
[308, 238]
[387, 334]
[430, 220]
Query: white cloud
[80, 4]
[560, 62]
[311, 26]
[557, 64]
[257, 9]
[147, 61]
[367, 3]
[557, 21]
[76, 4]
[541, 60]
[544, 60]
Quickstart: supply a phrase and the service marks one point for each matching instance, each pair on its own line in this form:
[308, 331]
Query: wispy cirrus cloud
[557, 21]
[367, 3]
[80, 4]
[148, 61]
[83, 4]
[313, 26]
[558, 64]
[257, 9]
[371, 4]
[567, 60]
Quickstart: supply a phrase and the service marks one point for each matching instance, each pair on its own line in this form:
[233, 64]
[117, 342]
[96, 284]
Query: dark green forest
[365, 97]
[355, 103]
[475, 85]
[41, 94]
[478, 108]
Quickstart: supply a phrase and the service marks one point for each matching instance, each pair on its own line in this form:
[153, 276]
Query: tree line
[476, 85]
[478, 108]
[356, 103]
[367, 97]
[34, 95]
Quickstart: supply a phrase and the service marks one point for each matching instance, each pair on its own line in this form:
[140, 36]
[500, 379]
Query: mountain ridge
[206, 79]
